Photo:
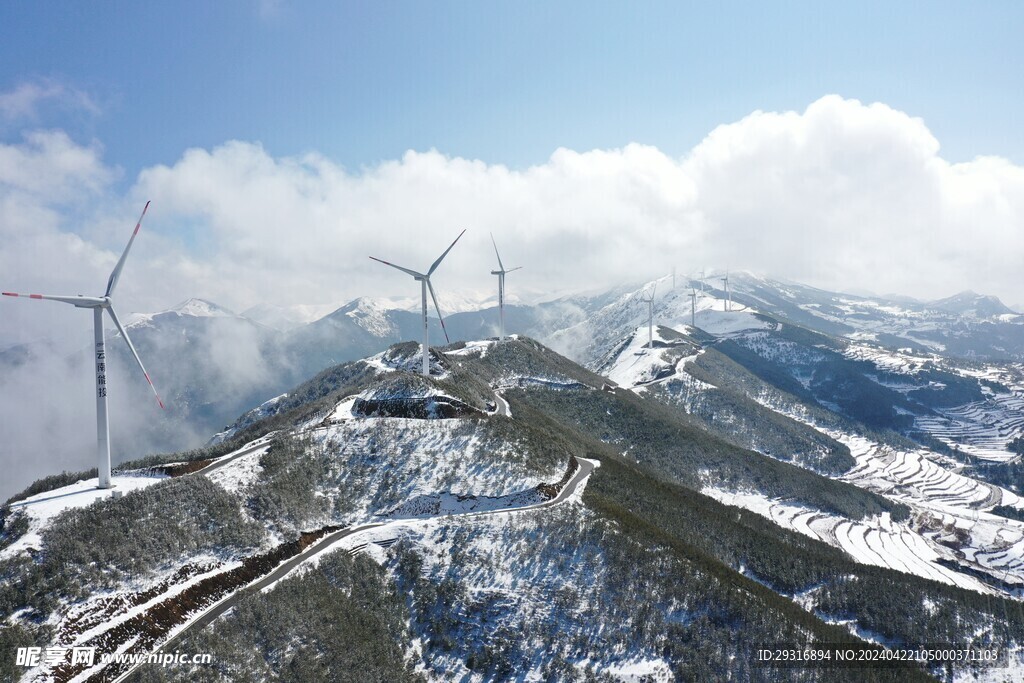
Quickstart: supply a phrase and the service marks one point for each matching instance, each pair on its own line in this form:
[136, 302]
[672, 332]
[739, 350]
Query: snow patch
[43, 507]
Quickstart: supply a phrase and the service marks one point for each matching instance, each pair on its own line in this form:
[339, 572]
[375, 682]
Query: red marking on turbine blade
[161, 403]
[139, 224]
[10, 294]
[35, 296]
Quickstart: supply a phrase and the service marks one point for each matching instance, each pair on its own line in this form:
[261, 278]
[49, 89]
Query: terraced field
[982, 429]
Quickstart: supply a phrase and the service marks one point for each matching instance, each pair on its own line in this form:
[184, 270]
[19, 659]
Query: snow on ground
[376, 361]
[197, 308]
[638, 364]
[373, 536]
[372, 315]
[343, 411]
[728, 322]
[949, 510]
[384, 362]
[201, 309]
[261, 411]
[450, 504]
[916, 476]
[577, 495]
[877, 541]
[43, 507]
[240, 473]
[424, 458]
[1009, 375]
[890, 361]
[94, 603]
[474, 348]
[638, 670]
[982, 429]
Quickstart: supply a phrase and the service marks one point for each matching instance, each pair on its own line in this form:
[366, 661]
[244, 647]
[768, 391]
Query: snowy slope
[41, 508]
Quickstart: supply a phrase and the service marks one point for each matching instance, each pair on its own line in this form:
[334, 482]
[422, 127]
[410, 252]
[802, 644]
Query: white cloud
[24, 100]
[848, 195]
[842, 195]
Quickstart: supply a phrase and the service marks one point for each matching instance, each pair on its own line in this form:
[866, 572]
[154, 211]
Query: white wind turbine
[424, 280]
[98, 304]
[650, 316]
[501, 288]
[693, 306]
[728, 295]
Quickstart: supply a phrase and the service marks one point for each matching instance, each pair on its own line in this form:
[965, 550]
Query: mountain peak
[969, 302]
[370, 314]
[201, 308]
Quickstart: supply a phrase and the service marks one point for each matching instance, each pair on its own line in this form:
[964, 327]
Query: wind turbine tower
[424, 280]
[98, 304]
[693, 307]
[650, 316]
[501, 272]
[728, 295]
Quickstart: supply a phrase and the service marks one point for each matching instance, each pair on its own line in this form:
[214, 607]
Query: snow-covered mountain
[966, 325]
[516, 516]
[212, 364]
[973, 305]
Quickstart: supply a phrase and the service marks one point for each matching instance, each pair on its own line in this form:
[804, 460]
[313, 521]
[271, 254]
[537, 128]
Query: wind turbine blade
[441, 257]
[115, 274]
[500, 266]
[516, 268]
[74, 300]
[404, 270]
[131, 347]
[437, 308]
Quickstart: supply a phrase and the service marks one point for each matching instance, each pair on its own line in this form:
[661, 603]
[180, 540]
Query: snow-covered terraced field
[950, 518]
[982, 429]
[913, 476]
[884, 359]
[876, 541]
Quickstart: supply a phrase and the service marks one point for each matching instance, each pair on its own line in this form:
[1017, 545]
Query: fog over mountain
[211, 364]
[844, 195]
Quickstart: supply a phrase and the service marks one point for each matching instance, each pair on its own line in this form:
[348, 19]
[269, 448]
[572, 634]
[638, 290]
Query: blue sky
[507, 82]
[848, 146]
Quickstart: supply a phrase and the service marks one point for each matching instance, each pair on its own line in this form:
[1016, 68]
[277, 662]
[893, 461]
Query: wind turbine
[693, 307]
[98, 304]
[501, 288]
[650, 316]
[424, 280]
[727, 304]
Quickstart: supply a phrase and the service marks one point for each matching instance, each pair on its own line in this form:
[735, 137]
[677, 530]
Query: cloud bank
[842, 195]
